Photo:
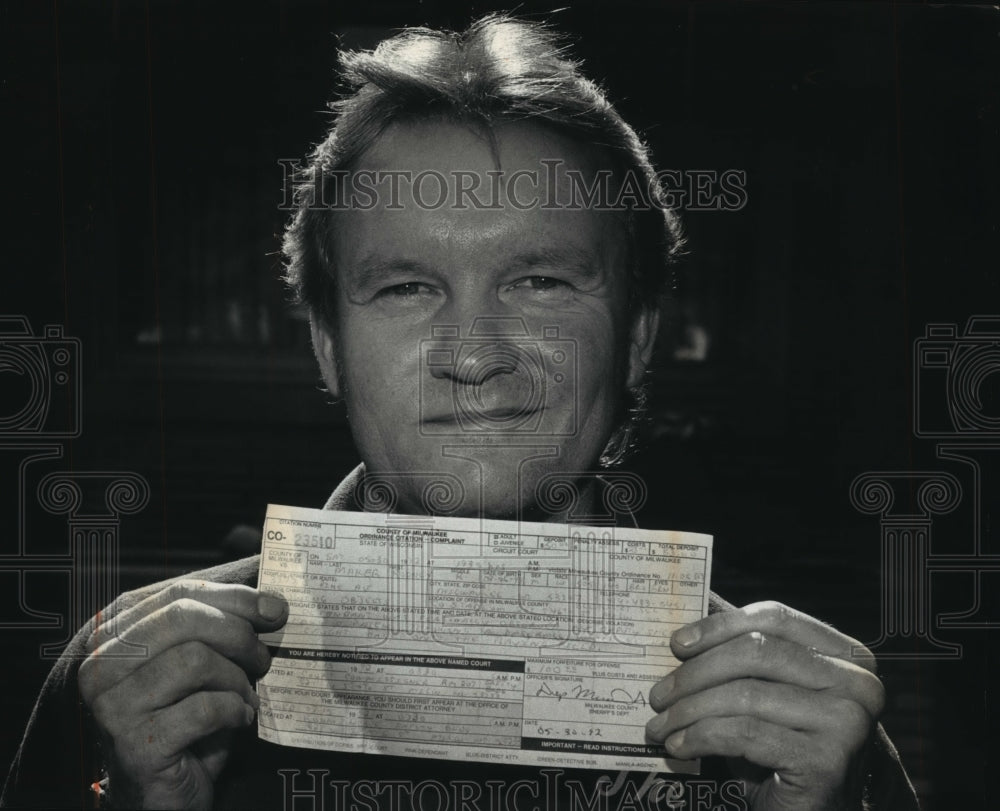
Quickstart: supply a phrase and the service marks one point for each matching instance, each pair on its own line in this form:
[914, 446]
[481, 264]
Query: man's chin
[491, 504]
[486, 502]
[527, 482]
[474, 506]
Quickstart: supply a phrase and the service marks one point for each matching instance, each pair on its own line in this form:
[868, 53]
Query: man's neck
[582, 496]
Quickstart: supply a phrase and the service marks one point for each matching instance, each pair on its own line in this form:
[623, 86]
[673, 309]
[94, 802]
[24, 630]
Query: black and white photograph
[436, 406]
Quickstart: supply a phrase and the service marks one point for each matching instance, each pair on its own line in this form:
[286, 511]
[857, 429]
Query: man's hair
[499, 69]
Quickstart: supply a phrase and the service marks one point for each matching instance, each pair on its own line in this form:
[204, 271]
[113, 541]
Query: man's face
[485, 348]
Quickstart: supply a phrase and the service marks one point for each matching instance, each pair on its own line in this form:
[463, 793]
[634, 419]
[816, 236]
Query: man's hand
[166, 718]
[795, 700]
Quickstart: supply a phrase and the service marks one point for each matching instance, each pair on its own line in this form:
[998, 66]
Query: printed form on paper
[476, 640]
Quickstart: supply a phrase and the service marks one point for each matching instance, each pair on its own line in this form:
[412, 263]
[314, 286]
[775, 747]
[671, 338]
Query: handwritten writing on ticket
[476, 640]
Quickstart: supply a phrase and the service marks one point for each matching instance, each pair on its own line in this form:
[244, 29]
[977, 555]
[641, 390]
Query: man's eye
[405, 290]
[540, 283]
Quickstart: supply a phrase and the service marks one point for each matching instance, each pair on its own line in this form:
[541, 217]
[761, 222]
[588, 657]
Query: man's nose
[479, 342]
[476, 361]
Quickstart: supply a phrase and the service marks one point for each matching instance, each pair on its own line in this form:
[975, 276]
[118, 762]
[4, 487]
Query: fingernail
[248, 713]
[661, 692]
[254, 700]
[687, 635]
[270, 608]
[676, 740]
[656, 727]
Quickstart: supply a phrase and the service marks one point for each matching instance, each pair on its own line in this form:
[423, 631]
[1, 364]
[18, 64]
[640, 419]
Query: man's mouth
[496, 416]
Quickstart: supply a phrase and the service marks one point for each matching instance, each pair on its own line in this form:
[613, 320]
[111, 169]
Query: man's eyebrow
[373, 267]
[567, 257]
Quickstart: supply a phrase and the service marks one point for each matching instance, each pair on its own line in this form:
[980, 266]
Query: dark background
[142, 185]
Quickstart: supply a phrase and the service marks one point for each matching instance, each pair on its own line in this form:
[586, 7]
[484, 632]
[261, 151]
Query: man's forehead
[503, 145]
[418, 169]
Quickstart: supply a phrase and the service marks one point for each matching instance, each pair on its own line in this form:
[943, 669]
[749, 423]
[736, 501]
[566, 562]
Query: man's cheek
[382, 390]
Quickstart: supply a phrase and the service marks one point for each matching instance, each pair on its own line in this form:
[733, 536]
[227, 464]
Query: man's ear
[326, 356]
[642, 338]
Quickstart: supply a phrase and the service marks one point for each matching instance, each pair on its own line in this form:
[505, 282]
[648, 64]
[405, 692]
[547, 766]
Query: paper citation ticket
[474, 640]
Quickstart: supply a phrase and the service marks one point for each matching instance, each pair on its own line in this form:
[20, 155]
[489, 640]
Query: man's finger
[762, 743]
[178, 672]
[172, 730]
[784, 705]
[179, 622]
[774, 620]
[758, 656]
[265, 612]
